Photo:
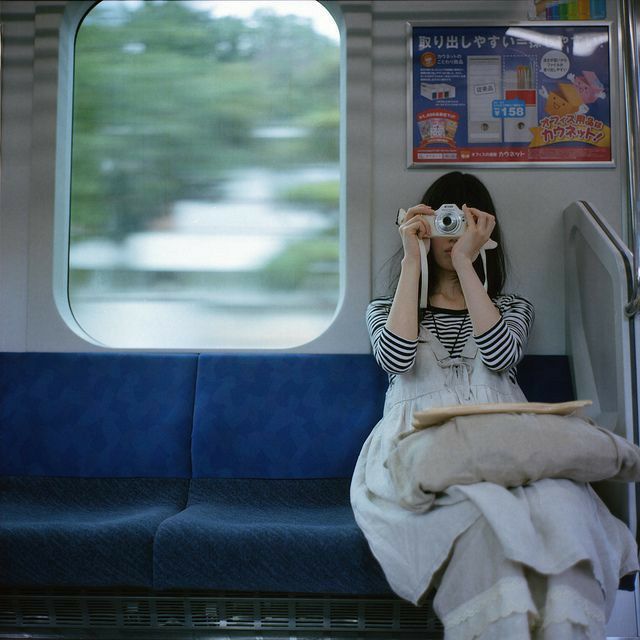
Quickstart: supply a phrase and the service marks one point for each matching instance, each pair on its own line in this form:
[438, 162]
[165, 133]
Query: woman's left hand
[480, 225]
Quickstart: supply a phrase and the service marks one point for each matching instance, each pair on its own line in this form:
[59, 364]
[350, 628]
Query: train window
[205, 177]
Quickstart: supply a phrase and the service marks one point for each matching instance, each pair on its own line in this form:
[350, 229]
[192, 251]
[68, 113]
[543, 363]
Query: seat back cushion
[96, 415]
[546, 378]
[305, 416]
[284, 415]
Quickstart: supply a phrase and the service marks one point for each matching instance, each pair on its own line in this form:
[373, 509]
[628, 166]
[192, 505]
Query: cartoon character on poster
[570, 106]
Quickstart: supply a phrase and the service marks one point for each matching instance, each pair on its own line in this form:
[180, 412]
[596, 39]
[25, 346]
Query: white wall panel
[530, 201]
[17, 88]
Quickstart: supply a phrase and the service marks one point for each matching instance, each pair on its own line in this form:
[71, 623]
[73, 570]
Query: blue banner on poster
[517, 94]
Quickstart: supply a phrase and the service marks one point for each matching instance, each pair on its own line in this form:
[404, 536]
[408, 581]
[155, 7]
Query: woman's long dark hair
[463, 188]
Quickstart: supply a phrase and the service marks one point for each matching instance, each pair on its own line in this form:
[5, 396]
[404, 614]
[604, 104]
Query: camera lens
[449, 222]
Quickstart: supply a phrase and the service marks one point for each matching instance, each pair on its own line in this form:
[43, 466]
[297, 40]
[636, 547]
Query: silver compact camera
[448, 221]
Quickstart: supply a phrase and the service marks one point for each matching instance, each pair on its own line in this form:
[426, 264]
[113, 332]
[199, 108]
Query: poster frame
[540, 164]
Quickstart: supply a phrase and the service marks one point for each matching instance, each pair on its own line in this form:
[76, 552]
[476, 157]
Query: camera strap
[424, 281]
[483, 255]
[489, 244]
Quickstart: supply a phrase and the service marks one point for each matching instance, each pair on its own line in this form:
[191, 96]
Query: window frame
[346, 333]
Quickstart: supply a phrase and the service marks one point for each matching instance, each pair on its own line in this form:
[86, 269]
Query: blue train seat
[211, 471]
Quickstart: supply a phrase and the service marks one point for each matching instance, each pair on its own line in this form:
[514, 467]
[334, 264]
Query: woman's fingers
[413, 212]
[478, 215]
[417, 226]
[469, 216]
[479, 227]
[418, 210]
[413, 221]
[482, 221]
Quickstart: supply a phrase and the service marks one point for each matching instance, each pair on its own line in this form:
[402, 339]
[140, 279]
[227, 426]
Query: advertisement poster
[530, 94]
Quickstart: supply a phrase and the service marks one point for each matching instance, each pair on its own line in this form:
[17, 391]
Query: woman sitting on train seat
[541, 560]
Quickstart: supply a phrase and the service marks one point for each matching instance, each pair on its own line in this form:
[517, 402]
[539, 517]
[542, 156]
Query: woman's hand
[415, 228]
[480, 225]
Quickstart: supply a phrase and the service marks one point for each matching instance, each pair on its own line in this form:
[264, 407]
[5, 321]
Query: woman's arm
[393, 353]
[394, 329]
[484, 314]
[502, 347]
[501, 337]
[403, 316]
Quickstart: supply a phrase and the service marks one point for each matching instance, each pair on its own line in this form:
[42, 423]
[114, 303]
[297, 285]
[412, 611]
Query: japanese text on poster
[519, 94]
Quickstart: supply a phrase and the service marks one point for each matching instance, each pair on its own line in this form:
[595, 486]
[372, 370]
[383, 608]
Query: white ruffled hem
[566, 605]
[505, 598]
[509, 602]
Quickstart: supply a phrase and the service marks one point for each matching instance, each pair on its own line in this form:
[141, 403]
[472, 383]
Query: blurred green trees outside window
[205, 173]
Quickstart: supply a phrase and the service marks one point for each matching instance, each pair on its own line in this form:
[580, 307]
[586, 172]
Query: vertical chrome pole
[629, 14]
[628, 20]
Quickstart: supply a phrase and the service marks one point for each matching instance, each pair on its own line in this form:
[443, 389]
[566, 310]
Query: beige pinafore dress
[547, 526]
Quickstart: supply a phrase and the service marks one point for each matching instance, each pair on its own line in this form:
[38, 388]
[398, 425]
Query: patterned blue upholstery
[284, 416]
[83, 532]
[96, 415]
[96, 453]
[546, 378]
[280, 535]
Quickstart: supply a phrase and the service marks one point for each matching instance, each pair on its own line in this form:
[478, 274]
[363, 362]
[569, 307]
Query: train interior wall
[375, 177]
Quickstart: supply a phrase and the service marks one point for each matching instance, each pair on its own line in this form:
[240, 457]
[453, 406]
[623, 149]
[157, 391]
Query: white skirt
[484, 595]
[547, 527]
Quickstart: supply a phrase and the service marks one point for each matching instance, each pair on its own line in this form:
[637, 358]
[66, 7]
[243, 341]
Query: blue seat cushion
[267, 535]
[77, 532]
[284, 415]
[96, 415]
[546, 378]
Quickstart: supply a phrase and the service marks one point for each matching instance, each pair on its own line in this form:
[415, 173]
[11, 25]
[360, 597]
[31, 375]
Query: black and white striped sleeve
[393, 353]
[502, 346]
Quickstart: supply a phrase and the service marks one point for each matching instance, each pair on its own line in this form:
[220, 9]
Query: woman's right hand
[415, 228]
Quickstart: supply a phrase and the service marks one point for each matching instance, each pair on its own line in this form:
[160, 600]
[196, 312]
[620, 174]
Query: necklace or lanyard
[455, 342]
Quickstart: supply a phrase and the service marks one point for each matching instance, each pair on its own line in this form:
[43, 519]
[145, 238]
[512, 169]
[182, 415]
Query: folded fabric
[507, 449]
[437, 415]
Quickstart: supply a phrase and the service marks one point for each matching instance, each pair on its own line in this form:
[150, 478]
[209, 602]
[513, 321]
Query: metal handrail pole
[630, 14]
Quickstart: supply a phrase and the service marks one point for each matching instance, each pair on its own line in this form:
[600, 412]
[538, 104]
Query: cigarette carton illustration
[518, 129]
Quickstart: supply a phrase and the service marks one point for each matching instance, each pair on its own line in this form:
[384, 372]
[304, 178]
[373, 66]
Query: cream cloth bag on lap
[508, 449]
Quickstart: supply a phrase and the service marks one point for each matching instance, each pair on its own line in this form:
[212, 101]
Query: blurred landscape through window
[205, 174]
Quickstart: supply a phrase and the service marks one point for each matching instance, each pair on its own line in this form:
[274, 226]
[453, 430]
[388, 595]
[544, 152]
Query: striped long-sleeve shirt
[501, 347]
